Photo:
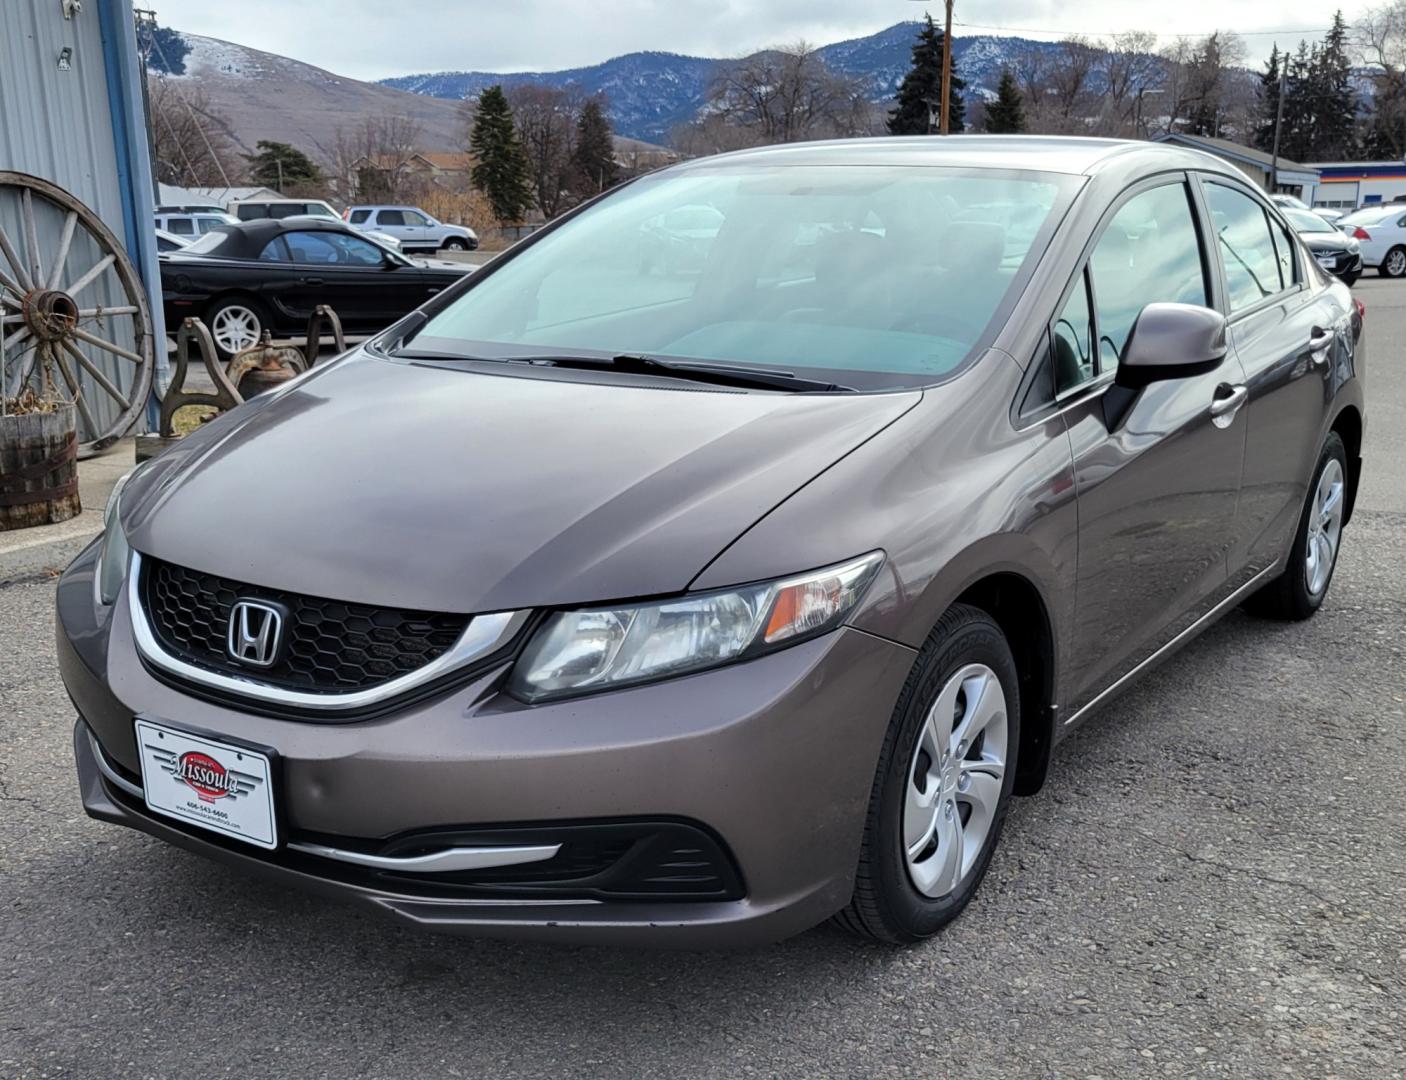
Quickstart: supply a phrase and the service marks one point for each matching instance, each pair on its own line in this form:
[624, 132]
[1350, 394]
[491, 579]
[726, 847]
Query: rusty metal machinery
[74, 321]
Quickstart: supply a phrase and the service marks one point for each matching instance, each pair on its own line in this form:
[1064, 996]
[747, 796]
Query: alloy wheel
[1396, 262]
[1325, 527]
[955, 777]
[235, 327]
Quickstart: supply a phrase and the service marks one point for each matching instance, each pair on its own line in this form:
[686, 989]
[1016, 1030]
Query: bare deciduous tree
[372, 160]
[545, 118]
[786, 94]
[1380, 41]
[191, 140]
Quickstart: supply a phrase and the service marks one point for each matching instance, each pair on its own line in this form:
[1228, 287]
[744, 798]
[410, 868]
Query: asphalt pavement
[1212, 883]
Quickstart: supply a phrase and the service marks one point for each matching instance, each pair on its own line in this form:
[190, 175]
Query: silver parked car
[594, 603]
[415, 229]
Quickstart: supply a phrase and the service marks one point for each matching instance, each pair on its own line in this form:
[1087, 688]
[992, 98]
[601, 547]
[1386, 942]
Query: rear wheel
[1394, 265]
[943, 784]
[1299, 591]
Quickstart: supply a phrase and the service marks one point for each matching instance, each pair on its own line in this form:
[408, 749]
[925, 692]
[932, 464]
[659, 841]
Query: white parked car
[166, 241]
[412, 227]
[190, 222]
[1381, 232]
[1293, 202]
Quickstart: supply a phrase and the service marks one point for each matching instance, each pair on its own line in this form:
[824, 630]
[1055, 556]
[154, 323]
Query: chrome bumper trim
[438, 862]
[484, 635]
[108, 771]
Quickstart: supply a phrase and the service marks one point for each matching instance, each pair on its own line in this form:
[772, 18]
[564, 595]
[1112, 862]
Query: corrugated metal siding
[58, 125]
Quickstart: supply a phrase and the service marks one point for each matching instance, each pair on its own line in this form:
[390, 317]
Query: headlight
[576, 652]
[113, 556]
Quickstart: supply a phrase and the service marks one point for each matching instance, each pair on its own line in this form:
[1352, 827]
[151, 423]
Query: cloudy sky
[371, 39]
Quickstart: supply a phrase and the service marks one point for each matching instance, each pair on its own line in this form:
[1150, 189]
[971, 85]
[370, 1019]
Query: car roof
[1040, 153]
[250, 237]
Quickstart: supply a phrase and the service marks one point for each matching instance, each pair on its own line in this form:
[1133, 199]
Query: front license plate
[1327, 261]
[226, 789]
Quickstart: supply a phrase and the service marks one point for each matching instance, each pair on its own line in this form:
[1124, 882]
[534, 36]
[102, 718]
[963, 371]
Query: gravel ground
[1212, 883]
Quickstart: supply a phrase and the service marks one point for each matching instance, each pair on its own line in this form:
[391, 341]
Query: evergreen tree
[920, 93]
[1006, 115]
[593, 163]
[501, 173]
[1269, 101]
[1335, 112]
[281, 167]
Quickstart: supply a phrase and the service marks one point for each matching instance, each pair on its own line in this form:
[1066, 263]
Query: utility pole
[1278, 121]
[946, 71]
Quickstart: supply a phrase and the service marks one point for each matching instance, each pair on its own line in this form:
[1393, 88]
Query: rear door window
[181, 226]
[390, 217]
[359, 216]
[1247, 250]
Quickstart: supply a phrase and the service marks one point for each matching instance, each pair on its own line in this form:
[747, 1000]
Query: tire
[455, 243]
[228, 318]
[899, 898]
[1350, 279]
[1393, 263]
[1292, 596]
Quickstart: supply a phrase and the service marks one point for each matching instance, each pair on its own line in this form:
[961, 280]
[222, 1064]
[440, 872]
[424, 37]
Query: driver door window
[1149, 253]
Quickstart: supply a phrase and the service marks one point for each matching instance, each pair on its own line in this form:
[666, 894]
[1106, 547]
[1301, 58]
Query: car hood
[1326, 241]
[445, 264]
[426, 486]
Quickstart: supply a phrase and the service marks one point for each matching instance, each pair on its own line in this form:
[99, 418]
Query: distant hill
[266, 96]
[651, 92]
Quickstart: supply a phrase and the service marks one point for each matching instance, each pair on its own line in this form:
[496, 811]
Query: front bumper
[774, 758]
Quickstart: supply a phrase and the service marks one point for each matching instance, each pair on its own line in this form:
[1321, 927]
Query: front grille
[331, 646]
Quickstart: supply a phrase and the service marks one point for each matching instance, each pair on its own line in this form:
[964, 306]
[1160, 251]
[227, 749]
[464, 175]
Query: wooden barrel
[38, 468]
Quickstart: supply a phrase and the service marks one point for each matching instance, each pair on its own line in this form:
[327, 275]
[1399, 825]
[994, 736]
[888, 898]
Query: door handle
[1227, 401]
[317, 281]
[1318, 342]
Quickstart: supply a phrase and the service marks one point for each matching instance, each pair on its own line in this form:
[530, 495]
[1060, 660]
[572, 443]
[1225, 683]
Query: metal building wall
[69, 128]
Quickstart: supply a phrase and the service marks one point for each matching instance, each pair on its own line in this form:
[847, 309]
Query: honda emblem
[255, 632]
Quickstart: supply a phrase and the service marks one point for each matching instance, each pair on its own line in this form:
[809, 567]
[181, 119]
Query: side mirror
[1172, 341]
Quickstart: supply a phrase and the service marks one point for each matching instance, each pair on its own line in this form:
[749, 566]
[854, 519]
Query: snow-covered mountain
[651, 92]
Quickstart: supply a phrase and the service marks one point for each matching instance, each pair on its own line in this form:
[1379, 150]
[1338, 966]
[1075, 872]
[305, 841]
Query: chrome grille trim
[484, 635]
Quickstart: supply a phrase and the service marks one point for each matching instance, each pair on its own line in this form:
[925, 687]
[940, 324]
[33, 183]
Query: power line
[1065, 32]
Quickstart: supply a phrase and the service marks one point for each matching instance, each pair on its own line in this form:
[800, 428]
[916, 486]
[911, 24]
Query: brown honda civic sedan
[697, 599]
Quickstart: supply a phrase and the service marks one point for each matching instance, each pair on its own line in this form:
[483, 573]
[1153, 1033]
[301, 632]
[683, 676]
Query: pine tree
[920, 93]
[1269, 101]
[501, 172]
[281, 167]
[593, 164]
[1006, 115]
[1335, 112]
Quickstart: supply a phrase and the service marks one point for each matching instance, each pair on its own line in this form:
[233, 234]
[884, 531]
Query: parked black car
[270, 274]
[1335, 251]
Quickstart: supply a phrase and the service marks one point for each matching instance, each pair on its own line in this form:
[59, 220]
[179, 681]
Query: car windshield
[888, 274]
[1305, 221]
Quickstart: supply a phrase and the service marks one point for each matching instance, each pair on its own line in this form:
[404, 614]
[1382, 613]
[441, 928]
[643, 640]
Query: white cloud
[371, 39]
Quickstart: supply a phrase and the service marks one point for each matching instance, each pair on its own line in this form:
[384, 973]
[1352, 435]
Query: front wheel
[943, 784]
[1394, 265]
[1299, 591]
[455, 243]
[1350, 279]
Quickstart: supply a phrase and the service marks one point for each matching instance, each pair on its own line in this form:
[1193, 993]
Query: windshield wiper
[722, 374]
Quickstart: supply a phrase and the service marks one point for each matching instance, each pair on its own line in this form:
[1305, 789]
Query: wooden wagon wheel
[70, 307]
